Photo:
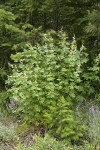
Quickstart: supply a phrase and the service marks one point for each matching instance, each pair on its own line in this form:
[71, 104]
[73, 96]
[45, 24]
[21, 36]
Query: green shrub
[45, 80]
